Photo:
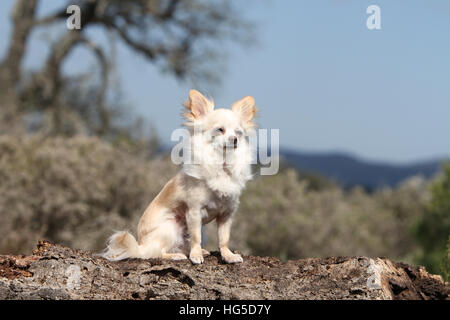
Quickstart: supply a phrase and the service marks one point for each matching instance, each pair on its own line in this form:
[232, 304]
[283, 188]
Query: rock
[57, 272]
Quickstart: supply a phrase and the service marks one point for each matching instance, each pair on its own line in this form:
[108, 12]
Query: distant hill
[349, 171]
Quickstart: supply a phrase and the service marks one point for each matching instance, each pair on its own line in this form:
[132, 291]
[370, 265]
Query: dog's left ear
[246, 109]
[198, 104]
[196, 107]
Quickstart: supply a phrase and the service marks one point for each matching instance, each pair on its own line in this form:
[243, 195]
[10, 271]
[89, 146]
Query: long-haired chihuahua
[205, 189]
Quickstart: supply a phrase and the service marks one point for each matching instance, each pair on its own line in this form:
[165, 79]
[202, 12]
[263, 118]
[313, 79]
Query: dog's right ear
[197, 106]
[245, 108]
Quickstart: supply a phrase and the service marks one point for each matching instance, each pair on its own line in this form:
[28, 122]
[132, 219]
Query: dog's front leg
[223, 229]
[194, 225]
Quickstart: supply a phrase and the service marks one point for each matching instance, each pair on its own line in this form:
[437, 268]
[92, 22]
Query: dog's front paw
[233, 258]
[230, 257]
[196, 256]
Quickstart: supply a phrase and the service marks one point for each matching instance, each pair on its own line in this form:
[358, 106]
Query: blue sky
[317, 74]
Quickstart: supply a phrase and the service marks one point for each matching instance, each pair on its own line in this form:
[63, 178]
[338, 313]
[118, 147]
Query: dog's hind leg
[165, 241]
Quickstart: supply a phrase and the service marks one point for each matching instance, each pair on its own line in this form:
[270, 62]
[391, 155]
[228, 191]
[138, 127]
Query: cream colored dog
[205, 189]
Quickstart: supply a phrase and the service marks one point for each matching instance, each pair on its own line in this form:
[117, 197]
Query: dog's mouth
[230, 146]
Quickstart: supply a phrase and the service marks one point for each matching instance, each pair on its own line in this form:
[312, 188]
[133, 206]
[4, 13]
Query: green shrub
[446, 263]
[433, 230]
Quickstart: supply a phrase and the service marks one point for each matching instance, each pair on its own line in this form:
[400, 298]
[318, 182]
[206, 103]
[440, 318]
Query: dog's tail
[122, 245]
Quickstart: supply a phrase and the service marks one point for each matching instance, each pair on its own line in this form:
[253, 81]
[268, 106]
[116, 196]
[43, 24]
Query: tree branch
[103, 112]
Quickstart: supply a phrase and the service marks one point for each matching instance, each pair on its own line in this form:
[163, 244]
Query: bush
[281, 216]
[446, 263]
[74, 191]
[433, 230]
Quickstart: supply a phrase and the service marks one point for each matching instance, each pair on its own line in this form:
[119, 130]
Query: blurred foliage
[75, 165]
[74, 191]
[446, 263]
[433, 229]
[78, 190]
[281, 216]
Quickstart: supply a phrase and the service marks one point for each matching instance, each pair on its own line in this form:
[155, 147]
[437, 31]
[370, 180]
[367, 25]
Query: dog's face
[225, 129]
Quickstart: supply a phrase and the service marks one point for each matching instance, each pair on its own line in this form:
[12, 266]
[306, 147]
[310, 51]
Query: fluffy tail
[122, 245]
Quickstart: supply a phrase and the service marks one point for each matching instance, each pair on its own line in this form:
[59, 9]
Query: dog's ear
[245, 108]
[197, 106]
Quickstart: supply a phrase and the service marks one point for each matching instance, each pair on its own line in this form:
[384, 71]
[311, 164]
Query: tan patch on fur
[166, 195]
[180, 213]
[164, 200]
[121, 240]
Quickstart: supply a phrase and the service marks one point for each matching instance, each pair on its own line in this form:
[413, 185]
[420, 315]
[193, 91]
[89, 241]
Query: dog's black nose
[233, 141]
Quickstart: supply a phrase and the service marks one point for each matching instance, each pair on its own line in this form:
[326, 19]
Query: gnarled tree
[181, 36]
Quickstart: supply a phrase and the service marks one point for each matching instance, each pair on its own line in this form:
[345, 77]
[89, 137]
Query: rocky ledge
[58, 272]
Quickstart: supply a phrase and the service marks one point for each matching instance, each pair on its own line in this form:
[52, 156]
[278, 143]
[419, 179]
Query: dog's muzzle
[232, 142]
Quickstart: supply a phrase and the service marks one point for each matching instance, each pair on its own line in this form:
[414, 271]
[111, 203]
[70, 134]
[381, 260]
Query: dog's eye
[220, 130]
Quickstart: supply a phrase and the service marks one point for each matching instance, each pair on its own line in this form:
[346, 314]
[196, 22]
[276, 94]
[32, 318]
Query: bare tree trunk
[47, 85]
[57, 272]
[10, 71]
[22, 23]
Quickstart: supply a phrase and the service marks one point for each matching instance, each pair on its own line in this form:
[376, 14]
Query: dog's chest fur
[218, 205]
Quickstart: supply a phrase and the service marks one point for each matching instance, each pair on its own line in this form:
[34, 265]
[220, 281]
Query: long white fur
[209, 187]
